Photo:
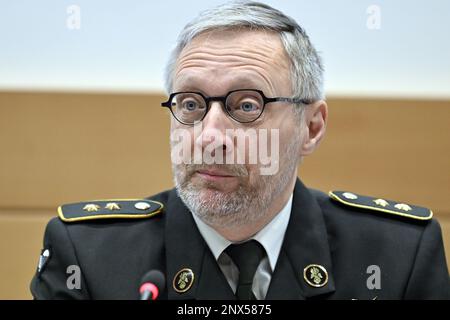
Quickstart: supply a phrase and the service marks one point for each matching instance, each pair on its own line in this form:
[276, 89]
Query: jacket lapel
[305, 243]
[185, 248]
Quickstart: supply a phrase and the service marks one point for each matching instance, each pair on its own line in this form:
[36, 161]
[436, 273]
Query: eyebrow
[193, 83]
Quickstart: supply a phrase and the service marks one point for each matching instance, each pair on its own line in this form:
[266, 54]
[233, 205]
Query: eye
[190, 105]
[248, 107]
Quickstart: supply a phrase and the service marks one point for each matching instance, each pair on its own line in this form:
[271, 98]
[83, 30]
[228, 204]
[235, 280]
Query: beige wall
[65, 147]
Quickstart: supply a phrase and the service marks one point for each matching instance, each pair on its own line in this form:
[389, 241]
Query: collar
[305, 242]
[270, 237]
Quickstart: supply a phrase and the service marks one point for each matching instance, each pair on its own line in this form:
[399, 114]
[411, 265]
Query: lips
[215, 173]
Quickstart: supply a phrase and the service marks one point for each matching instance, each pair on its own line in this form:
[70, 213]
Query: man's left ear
[315, 121]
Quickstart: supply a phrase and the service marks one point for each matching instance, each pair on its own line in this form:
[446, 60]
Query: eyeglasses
[243, 105]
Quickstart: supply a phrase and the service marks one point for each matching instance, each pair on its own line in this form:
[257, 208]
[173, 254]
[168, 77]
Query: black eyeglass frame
[223, 99]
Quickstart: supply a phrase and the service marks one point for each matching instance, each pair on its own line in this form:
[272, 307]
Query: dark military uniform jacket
[336, 246]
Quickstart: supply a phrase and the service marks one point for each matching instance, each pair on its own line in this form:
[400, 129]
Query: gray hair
[306, 65]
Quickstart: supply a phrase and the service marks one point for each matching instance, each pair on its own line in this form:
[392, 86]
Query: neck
[244, 232]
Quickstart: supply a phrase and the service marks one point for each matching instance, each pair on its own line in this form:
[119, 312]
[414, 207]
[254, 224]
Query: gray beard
[247, 204]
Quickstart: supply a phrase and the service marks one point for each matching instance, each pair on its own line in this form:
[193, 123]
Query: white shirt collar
[270, 237]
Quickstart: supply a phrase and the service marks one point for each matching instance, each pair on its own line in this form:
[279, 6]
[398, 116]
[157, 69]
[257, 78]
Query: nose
[213, 136]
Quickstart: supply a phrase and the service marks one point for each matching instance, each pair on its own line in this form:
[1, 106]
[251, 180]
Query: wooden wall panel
[394, 149]
[63, 147]
[66, 147]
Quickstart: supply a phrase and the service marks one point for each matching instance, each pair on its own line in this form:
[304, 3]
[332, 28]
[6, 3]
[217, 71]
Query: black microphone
[152, 284]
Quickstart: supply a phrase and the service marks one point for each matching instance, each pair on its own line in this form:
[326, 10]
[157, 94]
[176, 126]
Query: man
[242, 229]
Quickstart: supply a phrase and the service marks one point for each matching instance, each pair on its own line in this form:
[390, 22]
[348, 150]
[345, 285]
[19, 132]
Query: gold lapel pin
[183, 280]
[315, 275]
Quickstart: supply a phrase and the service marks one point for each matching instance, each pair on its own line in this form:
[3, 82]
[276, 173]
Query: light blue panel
[123, 45]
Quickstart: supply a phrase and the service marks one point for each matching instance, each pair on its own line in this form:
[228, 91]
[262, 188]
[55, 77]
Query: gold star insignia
[91, 207]
[403, 206]
[112, 206]
[381, 202]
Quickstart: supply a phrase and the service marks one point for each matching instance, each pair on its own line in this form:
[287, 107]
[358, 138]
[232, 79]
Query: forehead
[233, 56]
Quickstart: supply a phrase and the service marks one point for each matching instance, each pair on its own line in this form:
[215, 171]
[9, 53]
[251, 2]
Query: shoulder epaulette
[109, 209]
[382, 205]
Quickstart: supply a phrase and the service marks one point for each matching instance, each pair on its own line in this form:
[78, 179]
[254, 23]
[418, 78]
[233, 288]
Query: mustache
[237, 170]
